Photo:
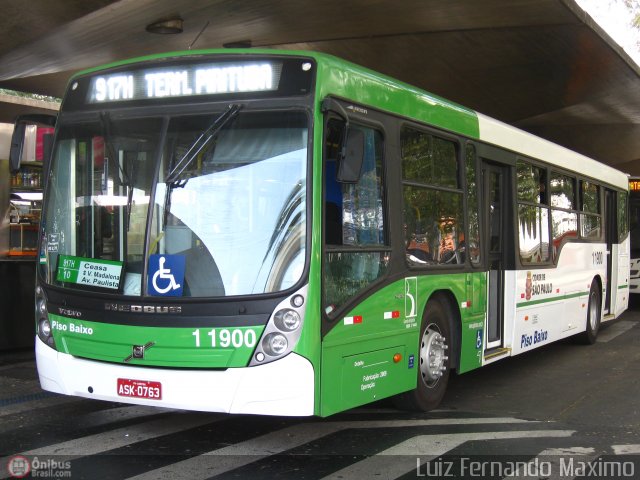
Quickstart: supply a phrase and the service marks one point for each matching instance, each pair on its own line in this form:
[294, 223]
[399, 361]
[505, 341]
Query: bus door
[610, 234]
[496, 207]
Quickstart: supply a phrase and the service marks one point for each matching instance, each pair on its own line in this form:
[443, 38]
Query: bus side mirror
[351, 149]
[351, 157]
[17, 142]
[18, 136]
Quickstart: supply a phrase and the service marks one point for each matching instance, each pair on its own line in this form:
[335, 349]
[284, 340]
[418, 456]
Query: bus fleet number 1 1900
[225, 338]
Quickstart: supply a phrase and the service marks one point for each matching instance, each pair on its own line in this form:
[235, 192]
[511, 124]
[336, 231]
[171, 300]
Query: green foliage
[562, 191]
[472, 202]
[529, 184]
[33, 96]
[428, 159]
[590, 197]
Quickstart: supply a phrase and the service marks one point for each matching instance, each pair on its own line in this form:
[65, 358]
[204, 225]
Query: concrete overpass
[542, 65]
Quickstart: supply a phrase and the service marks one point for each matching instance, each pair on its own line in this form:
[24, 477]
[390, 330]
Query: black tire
[594, 315]
[435, 341]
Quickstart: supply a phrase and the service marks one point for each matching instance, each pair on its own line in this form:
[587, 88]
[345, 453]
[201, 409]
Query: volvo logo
[137, 351]
[121, 307]
[67, 312]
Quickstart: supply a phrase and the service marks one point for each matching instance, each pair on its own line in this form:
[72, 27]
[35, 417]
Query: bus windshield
[227, 205]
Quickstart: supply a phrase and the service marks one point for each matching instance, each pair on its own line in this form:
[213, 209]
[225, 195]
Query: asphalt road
[561, 411]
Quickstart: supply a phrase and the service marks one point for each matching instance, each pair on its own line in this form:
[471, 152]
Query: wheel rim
[594, 314]
[433, 358]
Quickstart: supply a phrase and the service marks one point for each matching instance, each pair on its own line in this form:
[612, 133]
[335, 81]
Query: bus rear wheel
[434, 363]
[594, 315]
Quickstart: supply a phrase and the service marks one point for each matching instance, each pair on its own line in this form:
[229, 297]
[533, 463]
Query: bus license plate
[139, 389]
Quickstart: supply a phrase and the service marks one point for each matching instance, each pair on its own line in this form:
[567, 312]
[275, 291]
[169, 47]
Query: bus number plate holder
[139, 389]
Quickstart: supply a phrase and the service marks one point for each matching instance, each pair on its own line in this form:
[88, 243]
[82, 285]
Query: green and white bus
[286, 233]
[634, 235]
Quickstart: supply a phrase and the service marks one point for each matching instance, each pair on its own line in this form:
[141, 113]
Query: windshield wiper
[201, 142]
[174, 179]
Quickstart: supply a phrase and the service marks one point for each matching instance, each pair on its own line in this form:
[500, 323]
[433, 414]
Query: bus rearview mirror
[351, 157]
[18, 136]
[17, 142]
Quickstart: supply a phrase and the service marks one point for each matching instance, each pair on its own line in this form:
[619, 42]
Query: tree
[34, 96]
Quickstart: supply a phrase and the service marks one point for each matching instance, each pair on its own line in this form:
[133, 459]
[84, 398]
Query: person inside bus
[542, 189]
[418, 249]
[447, 249]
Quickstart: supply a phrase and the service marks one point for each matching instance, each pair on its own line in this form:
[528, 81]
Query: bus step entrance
[496, 352]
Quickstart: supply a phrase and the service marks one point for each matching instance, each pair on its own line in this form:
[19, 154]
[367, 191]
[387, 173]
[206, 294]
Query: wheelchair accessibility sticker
[166, 275]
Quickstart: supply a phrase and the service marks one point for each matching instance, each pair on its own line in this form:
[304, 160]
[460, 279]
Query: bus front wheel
[434, 360]
[594, 315]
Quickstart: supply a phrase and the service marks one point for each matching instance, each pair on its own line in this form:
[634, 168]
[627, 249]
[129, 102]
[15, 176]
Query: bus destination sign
[89, 271]
[185, 81]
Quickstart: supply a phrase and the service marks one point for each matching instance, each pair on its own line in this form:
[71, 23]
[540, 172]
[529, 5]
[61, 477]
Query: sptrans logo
[19, 467]
[410, 297]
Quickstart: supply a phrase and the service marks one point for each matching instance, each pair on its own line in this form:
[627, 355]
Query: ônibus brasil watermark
[20, 466]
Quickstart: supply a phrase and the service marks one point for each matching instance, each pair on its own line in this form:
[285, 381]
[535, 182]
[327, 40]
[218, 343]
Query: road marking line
[240, 454]
[30, 406]
[556, 463]
[568, 451]
[441, 444]
[626, 449]
[121, 437]
[384, 466]
[408, 456]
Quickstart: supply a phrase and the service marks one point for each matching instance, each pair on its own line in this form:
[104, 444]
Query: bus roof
[497, 133]
[351, 81]
[407, 100]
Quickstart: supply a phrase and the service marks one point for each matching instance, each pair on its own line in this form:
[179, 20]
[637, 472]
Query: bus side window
[357, 251]
[533, 213]
[354, 212]
[590, 217]
[433, 200]
[564, 217]
[623, 215]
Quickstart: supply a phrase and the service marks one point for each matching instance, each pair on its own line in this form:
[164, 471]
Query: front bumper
[283, 387]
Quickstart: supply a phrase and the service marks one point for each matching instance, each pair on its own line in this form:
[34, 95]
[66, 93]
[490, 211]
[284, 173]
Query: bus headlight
[287, 320]
[43, 325]
[297, 301]
[41, 307]
[45, 328]
[275, 344]
[283, 330]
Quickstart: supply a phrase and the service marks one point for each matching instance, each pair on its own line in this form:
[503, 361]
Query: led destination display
[187, 81]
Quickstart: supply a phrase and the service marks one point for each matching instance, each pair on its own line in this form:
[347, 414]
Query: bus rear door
[498, 240]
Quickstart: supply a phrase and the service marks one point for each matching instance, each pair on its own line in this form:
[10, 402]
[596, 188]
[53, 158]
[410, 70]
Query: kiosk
[20, 210]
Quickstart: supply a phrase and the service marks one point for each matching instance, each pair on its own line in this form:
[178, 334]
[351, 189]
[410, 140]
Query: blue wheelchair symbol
[479, 340]
[166, 275]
